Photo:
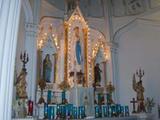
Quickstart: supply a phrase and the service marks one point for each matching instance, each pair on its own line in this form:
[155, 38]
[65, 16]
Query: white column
[115, 72]
[31, 49]
[9, 21]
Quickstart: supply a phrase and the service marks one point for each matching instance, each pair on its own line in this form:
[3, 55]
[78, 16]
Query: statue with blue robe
[78, 47]
[47, 68]
[78, 52]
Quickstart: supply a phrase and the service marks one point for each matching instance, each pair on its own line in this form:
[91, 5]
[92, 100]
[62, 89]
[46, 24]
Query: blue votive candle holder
[100, 111]
[52, 112]
[109, 110]
[49, 96]
[46, 110]
[79, 112]
[113, 110]
[83, 112]
[74, 112]
[63, 111]
[63, 96]
[118, 109]
[96, 111]
[105, 111]
[122, 111]
[58, 109]
[126, 109]
[69, 108]
[49, 112]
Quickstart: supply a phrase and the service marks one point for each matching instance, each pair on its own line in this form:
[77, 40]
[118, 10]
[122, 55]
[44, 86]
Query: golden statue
[21, 85]
[139, 89]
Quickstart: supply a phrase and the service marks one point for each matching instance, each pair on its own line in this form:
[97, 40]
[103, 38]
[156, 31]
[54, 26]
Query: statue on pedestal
[21, 80]
[21, 85]
[47, 68]
[97, 75]
[78, 47]
[139, 89]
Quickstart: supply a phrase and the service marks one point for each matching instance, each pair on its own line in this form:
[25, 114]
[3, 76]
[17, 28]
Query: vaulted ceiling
[91, 8]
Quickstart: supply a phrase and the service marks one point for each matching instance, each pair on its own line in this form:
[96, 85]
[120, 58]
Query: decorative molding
[132, 25]
[31, 29]
[122, 8]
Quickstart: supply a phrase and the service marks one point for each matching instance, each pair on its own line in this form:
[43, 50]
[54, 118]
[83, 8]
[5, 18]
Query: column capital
[113, 46]
[30, 27]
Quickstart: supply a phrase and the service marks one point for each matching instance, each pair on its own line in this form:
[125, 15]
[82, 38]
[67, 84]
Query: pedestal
[77, 98]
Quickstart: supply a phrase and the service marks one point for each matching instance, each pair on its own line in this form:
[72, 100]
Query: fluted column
[9, 21]
[115, 71]
[31, 49]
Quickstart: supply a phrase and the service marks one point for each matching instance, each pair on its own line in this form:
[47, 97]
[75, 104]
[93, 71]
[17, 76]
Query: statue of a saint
[97, 74]
[78, 47]
[80, 77]
[47, 68]
[139, 89]
[21, 85]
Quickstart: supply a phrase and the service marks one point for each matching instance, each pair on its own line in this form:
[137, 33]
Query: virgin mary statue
[78, 46]
[47, 68]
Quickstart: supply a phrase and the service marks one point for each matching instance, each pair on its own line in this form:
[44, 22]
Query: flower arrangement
[149, 104]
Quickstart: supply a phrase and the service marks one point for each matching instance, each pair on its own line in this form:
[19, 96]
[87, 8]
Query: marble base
[118, 118]
[77, 98]
[29, 118]
[144, 116]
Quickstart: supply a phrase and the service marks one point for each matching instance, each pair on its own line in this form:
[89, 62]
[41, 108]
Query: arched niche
[47, 61]
[77, 22]
[100, 57]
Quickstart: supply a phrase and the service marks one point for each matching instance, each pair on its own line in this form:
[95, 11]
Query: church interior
[79, 59]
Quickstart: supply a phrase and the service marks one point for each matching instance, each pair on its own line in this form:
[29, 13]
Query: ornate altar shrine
[73, 62]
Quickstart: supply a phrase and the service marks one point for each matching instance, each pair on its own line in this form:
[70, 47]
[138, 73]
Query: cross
[134, 105]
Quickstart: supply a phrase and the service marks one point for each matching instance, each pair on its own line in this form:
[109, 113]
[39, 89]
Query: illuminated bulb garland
[102, 45]
[44, 35]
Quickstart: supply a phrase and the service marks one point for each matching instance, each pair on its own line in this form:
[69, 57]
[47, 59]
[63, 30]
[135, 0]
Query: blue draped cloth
[78, 52]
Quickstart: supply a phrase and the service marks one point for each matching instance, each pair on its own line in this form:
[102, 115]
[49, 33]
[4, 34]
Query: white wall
[139, 46]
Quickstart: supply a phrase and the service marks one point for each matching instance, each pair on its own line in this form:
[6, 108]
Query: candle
[30, 108]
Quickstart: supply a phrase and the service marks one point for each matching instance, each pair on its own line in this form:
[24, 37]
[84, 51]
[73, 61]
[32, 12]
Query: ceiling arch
[92, 8]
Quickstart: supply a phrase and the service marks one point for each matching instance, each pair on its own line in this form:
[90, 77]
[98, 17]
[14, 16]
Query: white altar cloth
[77, 95]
